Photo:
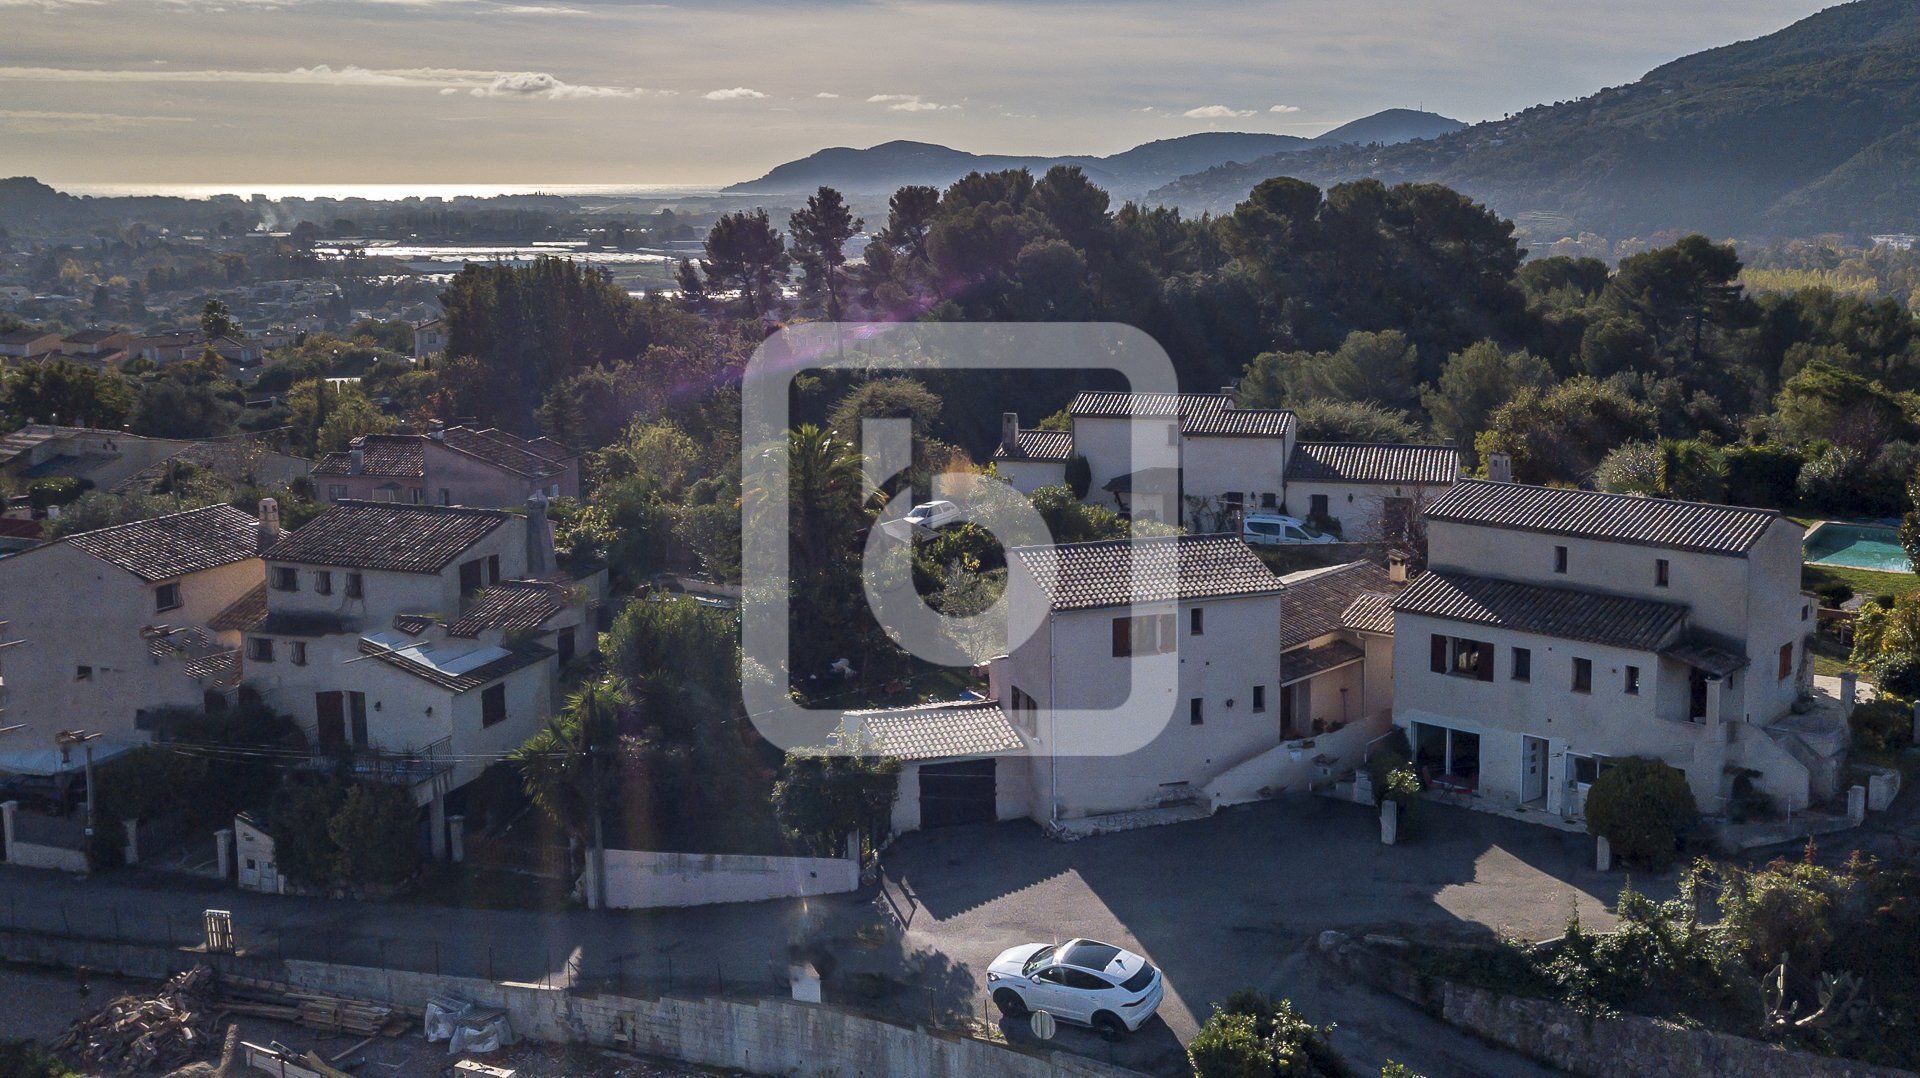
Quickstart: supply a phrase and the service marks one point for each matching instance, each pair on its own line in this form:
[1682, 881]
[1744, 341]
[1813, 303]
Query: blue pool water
[1857, 546]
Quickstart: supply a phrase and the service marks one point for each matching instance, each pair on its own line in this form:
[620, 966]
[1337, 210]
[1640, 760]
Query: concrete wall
[1290, 765]
[35, 841]
[767, 1036]
[1626, 1046]
[640, 879]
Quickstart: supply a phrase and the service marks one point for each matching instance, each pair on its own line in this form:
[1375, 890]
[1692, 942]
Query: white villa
[1251, 684]
[1556, 629]
[1232, 460]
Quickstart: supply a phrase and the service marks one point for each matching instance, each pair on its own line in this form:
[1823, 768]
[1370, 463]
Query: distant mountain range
[884, 168]
[1815, 128]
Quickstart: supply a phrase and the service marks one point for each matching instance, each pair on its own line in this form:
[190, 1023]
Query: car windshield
[1039, 959]
[1139, 980]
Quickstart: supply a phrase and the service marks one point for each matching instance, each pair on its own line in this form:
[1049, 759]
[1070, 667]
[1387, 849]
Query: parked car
[1271, 529]
[931, 515]
[1081, 981]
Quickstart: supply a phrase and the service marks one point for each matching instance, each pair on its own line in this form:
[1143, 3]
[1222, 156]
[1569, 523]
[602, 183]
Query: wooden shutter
[1439, 654]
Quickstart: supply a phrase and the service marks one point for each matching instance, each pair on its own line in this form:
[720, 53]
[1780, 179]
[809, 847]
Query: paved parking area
[1225, 903]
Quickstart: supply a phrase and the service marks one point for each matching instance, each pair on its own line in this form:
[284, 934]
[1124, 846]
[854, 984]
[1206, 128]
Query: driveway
[1218, 904]
[1225, 903]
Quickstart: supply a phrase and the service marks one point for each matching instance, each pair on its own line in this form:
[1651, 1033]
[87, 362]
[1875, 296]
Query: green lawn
[1868, 582]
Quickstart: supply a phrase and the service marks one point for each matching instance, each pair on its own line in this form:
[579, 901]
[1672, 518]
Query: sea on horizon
[385, 192]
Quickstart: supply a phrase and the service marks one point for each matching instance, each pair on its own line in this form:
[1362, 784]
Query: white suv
[1093, 984]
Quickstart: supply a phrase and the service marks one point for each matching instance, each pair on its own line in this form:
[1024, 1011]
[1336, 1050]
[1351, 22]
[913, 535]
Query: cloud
[36, 121]
[1284, 108]
[448, 80]
[735, 93]
[908, 103]
[1216, 112]
[826, 95]
[539, 9]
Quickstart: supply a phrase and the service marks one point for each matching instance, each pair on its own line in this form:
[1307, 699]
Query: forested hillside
[1811, 129]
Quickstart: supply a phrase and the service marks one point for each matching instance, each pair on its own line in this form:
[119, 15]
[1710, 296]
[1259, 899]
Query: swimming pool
[1857, 546]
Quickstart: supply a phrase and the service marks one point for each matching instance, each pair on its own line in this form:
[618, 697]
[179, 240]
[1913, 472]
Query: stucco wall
[1359, 507]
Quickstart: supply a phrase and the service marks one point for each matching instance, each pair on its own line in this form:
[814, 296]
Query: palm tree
[560, 765]
[826, 488]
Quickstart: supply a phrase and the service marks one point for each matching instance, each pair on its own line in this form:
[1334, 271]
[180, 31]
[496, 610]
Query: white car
[1271, 529]
[1082, 981]
[931, 515]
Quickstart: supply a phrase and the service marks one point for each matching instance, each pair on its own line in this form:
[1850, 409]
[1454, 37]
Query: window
[322, 582]
[446, 496]
[493, 568]
[470, 576]
[355, 588]
[336, 491]
[1786, 661]
[1587, 769]
[1317, 505]
[285, 578]
[1197, 622]
[419, 495]
[563, 645]
[1196, 711]
[1461, 657]
[299, 652]
[1583, 675]
[1259, 697]
[1633, 681]
[1559, 559]
[1523, 664]
[83, 673]
[1662, 573]
[1150, 634]
[260, 649]
[493, 704]
[166, 596]
[1446, 757]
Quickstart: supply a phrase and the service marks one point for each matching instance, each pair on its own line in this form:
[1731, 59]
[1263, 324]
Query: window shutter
[1439, 654]
[1122, 638]
[1485, 670]
[1169, 631]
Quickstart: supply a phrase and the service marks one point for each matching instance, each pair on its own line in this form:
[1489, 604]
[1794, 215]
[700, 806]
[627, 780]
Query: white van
[1271, 529]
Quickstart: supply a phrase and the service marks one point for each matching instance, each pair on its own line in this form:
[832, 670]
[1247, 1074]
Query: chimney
[437, 429]
[357, 458]
[1010, 432]
[1499, 468]
[269, 522]
[1397, 562]
[540, 560]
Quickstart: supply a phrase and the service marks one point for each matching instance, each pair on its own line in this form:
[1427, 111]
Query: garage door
[956, 793]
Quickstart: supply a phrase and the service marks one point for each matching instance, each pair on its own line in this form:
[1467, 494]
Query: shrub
[1898, 675]
[1882, 726]
[1255, 1036]
[1079, 475]
[1763, 475]
[1643, 808]
[54, 490]
[375, 836]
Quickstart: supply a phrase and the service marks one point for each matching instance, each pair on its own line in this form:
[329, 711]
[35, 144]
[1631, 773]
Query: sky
[714, 91]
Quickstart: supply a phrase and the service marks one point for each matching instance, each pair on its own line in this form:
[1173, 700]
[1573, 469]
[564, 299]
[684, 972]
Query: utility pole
[599, 852]
[66, 739]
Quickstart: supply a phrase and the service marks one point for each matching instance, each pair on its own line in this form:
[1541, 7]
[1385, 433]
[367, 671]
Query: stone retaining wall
[1626, 1046]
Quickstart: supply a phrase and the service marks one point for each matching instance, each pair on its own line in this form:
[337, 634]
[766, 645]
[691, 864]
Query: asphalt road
[1219, 904]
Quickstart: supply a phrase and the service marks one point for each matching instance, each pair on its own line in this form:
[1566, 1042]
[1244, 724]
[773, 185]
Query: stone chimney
[1010, 432]
[437, 429]
[1499, 468]
[1397, 562]
[356, 460]
[540, 558]
[269, 522]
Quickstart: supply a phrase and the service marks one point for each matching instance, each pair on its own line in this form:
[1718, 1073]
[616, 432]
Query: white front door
[1533, 769]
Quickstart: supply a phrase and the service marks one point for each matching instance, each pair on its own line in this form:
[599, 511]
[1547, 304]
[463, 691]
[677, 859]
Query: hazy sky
[607, 91]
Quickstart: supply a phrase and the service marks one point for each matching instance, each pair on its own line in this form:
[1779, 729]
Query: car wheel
[1110, 1026]
[1010, 1003]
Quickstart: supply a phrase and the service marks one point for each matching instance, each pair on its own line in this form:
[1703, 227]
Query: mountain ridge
[887, 166]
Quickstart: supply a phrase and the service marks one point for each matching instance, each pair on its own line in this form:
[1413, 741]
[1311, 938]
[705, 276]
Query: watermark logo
[1065, 607]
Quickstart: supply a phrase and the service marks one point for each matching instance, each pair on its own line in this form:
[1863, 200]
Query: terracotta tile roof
[1567, 613]
[413, 624]
[161, 548]
[1317, 599]
[1620, 518]
[514, 659]
[1303, 663]
[1038, 445]
[937, 731]
[219, 666]
[510, 606]
[1201, 414]
[1370, 613]
[505, 451]
[1078, 576]
[397, 456]
[387, 535]
[1356, 462]
[16, 528]
[244, 614]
